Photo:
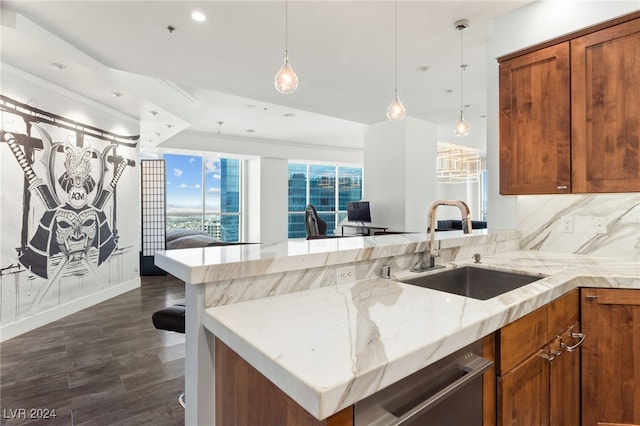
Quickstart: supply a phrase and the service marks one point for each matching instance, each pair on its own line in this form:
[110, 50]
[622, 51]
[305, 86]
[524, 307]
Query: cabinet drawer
[518, 340]
[563, 312]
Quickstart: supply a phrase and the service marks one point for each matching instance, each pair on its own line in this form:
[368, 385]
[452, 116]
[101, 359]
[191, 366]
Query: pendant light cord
[461, 70]
[396, 48]
[286, 25]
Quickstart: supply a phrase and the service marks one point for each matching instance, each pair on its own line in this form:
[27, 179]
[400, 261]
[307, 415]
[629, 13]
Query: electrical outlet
[346, 274]
[566, 224]
[599, 225]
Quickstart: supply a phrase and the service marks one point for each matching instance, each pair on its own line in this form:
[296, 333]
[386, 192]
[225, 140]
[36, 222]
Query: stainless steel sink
[469, 281]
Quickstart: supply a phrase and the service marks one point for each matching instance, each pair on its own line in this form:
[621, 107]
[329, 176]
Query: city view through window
[203, 193]
[316, 184]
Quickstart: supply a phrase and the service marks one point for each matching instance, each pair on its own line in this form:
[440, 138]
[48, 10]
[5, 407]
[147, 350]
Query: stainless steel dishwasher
[448, 392]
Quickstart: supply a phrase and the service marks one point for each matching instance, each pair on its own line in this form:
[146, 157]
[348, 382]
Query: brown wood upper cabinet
[570, 113]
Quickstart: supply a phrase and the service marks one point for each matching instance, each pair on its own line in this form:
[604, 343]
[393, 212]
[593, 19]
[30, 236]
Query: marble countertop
[201, 265]
[329, 347]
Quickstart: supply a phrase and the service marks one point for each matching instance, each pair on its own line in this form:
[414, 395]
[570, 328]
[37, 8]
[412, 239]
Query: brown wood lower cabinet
[611, 357]
[539, 366]
[545, 388]
[523, 393]
[244, 397]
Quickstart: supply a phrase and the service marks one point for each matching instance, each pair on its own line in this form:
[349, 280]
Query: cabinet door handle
[547, 357]
[563, 186]
[577, 345]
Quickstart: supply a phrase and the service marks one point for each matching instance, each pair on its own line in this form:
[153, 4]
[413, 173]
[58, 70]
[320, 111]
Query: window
[204, 193]
[327, 187]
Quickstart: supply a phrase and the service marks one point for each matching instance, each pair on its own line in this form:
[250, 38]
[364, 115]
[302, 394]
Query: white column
[199, 361]
[267, 202]
[400, 173]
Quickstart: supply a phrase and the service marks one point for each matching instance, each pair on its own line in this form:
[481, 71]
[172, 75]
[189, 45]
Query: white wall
[533, 24]
[384, 177]
[63, 280]
[467, 192]
[421, 151]
[400, 173]
[267, 202]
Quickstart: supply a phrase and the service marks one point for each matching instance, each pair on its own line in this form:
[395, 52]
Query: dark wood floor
[106, 365]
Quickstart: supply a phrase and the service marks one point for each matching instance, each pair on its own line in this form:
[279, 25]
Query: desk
[363, 229]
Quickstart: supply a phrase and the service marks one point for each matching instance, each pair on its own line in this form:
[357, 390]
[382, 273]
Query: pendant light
[462, 128]
[286, 80]
[396, 111]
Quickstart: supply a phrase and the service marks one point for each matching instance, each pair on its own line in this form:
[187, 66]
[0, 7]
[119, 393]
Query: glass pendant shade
[286, 80]
[396, 111]
[462, 128]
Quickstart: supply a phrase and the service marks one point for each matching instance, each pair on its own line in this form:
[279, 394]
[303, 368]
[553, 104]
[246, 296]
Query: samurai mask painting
[76, 227]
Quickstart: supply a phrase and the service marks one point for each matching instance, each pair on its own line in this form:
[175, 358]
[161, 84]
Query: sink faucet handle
[476, 258]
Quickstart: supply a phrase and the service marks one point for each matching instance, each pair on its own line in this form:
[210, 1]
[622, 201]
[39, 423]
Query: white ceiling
[203, 73]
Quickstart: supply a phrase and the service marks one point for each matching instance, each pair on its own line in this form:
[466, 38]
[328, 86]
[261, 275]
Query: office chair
[315, 226]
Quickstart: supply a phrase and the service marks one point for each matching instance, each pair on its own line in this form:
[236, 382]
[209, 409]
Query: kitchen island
[329, 345]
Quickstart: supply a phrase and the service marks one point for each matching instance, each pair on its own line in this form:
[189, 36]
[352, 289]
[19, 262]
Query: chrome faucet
[427, 259]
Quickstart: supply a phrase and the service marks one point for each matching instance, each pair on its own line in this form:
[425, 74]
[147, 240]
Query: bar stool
[171, 318]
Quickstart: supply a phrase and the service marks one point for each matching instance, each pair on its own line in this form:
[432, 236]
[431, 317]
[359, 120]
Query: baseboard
[14, 329]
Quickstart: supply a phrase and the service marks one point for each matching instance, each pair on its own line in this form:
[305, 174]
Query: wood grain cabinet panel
[605, 93]
[244, 397]
[518, 340]
[535, 129]
[564, 383]
[523, 393]
[570, 113]
[563, 312]
[611, 357]
[539, 368]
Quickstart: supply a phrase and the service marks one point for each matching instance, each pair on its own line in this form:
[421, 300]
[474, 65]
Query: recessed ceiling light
[198, 16]
[117, 94]
[288, 115]
[467, 106]
[250, 131]
[250, 106]
[57, 66]
[168, 126]
[157, 134]
[449, 91]
[153, 113]
[423, 68]
[483, 116]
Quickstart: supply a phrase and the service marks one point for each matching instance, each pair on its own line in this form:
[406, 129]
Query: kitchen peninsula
[328, 345]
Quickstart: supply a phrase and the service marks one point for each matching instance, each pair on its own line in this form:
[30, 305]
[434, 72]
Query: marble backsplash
[226, 292]
[605, 225]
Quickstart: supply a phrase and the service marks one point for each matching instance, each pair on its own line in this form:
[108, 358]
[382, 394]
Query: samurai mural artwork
[75, 184]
